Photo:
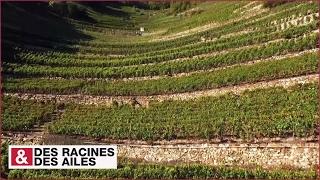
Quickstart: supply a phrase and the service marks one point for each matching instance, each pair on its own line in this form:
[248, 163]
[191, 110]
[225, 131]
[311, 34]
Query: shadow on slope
[109, 8]
[35, 25]
[36, 19]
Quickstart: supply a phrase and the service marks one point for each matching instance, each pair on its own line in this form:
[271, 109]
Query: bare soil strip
[144, 100]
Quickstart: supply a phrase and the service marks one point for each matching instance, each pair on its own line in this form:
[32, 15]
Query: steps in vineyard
[44, 124]
[36, 134]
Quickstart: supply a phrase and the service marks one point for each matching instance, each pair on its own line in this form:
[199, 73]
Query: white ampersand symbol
[20, 159]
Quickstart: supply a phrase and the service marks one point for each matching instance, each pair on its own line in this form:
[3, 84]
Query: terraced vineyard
[201, 75]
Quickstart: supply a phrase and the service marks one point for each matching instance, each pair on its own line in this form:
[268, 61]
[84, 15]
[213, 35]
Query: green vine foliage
[274, 112]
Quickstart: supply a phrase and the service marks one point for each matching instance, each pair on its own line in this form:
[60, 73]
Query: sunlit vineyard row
[274, 112]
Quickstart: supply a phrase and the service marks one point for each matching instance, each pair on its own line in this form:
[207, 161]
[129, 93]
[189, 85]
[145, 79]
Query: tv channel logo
[21, 157]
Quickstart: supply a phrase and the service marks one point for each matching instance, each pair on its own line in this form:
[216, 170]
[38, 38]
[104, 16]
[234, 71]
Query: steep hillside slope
[233, 85]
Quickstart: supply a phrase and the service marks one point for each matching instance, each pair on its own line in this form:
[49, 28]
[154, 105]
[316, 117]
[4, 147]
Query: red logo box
[21, 157]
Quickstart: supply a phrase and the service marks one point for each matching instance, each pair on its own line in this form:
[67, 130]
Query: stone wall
[144, 100]
[292, 152]
[298, 155]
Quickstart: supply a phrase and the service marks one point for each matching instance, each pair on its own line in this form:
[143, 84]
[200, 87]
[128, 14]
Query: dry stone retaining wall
[292, 152]
[268, 155]
[144, 100]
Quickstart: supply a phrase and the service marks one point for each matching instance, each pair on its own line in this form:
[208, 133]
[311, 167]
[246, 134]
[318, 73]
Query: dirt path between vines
[144, 100]
[35, 135]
